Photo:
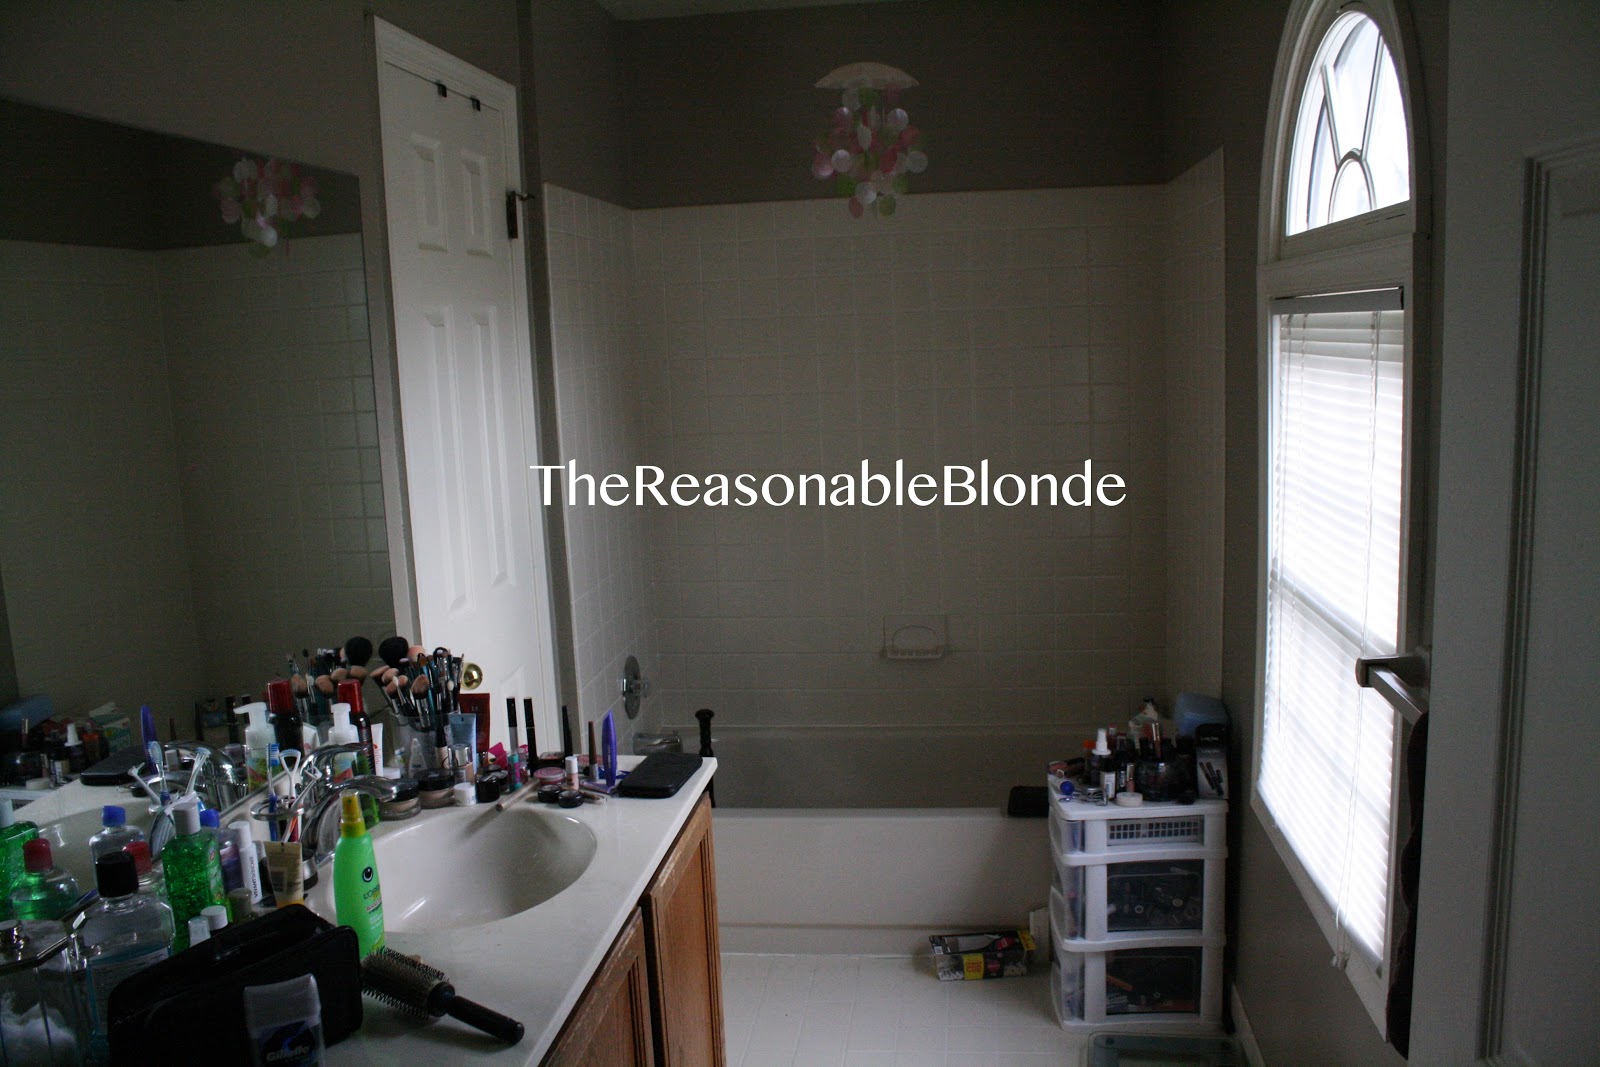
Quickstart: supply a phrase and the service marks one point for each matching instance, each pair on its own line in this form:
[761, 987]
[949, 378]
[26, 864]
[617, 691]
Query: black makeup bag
[189, 1008]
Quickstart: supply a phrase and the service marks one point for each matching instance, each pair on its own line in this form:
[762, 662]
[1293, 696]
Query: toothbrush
[194, 774]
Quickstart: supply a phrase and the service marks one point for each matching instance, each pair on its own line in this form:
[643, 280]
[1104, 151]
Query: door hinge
[512, 198]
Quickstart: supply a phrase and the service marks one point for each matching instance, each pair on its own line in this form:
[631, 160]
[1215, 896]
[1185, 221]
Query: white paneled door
[467, 407]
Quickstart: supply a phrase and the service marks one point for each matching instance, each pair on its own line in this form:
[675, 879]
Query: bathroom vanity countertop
[532, 966]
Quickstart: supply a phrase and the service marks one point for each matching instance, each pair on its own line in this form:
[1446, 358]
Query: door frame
[395, 47]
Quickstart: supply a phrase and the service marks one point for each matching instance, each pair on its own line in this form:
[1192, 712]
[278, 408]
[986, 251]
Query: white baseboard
[1242, 1034]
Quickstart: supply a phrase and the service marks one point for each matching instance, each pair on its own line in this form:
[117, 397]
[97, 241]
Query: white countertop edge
[515, 965]
[533, 966]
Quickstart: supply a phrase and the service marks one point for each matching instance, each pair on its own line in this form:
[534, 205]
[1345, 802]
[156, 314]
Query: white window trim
[1380, 249]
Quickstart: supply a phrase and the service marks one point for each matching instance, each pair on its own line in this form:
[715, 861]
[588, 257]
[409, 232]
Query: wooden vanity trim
[611, 1026]
[680, 913]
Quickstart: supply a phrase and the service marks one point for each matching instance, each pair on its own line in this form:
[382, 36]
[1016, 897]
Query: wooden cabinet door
[610, 1027]
[680, 919]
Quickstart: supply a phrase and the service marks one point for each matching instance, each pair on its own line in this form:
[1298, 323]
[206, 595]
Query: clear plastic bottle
[45, 891]
[123, 932]
[13, 835]
[194, 872]
[117, 834]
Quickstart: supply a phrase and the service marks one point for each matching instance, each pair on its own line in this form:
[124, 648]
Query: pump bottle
[194, 871]
[257, 737]
[343, 733]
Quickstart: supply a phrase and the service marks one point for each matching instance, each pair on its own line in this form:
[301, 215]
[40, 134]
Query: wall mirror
[190, 484]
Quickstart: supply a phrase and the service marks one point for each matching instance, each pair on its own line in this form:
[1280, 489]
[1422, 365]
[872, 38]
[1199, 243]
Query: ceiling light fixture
[870, 145]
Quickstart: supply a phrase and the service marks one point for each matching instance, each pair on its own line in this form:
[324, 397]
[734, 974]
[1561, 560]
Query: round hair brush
[408, 984]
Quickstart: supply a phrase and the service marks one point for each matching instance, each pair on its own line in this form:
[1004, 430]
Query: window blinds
[1333, 594]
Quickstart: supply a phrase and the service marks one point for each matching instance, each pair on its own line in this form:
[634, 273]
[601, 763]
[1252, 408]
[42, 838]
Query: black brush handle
[488, 1020]
[705, 715]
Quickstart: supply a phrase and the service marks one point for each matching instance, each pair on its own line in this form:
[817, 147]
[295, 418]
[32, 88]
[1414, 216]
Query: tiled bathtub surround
[1023, 328]
[598, 404]
[221, 406]
[272, 397]
[1014, 327]
[1192, 339]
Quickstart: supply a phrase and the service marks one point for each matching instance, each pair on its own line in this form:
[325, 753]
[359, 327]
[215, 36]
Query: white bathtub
[873, 881]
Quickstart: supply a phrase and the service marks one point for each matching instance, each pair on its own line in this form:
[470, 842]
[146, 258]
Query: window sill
[1370, 981]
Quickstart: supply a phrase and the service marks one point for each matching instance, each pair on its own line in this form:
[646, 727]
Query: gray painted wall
[1014, 94]
[1218, 58]
[79, 181]
[577, 94]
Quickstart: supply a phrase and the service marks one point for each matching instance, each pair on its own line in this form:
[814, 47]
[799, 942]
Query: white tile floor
[868, 1011]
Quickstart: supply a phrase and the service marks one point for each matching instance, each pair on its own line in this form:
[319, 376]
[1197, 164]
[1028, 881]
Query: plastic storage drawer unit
[1171, 988]
[1136, 915]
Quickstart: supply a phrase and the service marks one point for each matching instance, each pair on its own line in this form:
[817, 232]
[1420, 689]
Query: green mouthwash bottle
[44, 891]
[13, 835]
[193, 871]
[357, 898]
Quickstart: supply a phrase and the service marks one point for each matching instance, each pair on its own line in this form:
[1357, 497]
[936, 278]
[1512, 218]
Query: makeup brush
[392, 650]
[413, 987]
[527, 721]
[357, 652]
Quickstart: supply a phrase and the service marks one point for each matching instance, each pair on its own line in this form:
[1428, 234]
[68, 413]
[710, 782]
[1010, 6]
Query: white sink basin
[463, 867]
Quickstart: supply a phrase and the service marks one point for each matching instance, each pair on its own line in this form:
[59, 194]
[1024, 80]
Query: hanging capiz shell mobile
[870, 145]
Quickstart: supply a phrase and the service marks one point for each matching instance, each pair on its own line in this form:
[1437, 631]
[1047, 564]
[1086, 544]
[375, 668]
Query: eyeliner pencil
[527, 721]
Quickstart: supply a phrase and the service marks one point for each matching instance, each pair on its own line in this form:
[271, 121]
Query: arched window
[1339, 225]
[1350, 152]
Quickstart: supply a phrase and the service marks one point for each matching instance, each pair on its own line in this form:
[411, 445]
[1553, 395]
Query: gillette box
[970, 957]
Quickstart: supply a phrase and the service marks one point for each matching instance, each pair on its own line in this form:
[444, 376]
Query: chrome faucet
[322, 793]
[222, 781]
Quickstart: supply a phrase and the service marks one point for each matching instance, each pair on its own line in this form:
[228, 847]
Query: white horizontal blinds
[1333, 594]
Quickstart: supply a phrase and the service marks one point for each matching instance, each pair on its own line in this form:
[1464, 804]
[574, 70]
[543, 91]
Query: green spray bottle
[357, 898]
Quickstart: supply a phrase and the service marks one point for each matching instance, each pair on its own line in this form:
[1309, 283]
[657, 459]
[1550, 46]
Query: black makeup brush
[566, 734]
[357, 652]
[393, 649]
[408, 984]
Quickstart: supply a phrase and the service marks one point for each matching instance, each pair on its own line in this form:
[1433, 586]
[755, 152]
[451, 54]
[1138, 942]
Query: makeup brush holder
[419, 746]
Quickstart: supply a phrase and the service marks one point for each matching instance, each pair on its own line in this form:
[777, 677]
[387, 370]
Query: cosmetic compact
[435, 787]
[488, 789]
[549, 793]
[405, 804]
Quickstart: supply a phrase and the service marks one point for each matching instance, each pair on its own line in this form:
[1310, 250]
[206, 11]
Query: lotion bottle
[343, 733]
[258, 736]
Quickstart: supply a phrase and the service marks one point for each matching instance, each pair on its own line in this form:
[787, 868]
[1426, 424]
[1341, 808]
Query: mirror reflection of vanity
[190, 485]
